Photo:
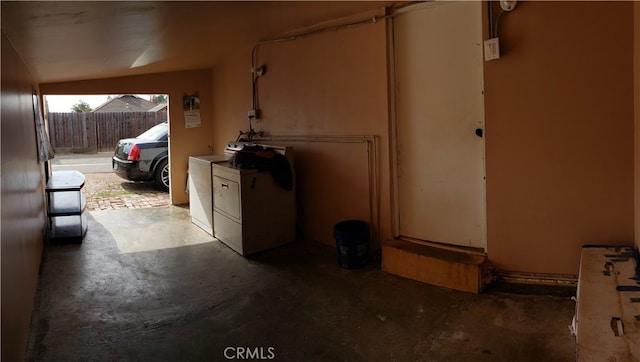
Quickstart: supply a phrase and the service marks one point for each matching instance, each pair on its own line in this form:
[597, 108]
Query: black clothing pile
[265, 159]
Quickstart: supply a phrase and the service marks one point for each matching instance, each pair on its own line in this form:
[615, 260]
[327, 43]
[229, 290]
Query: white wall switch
[492, 49]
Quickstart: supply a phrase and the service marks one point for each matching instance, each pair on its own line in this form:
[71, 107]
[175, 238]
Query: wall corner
[636, 82]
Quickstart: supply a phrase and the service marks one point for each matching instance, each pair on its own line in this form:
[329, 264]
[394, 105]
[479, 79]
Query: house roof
[158, 107]
[125, 103]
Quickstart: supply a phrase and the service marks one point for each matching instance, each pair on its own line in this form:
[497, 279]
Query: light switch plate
[491, 49]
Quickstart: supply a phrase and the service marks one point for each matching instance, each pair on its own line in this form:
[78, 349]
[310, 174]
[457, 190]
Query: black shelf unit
[65, 206]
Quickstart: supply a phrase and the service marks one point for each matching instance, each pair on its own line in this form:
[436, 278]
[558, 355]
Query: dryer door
[227, 197]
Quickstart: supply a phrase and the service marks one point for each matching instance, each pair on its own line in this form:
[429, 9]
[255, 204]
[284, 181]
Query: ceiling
[75, 40]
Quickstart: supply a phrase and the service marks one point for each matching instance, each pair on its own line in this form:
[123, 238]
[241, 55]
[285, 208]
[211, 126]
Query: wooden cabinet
[607, 325]
[65, 206]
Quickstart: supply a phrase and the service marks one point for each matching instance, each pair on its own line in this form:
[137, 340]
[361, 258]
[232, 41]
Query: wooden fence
[97, 132]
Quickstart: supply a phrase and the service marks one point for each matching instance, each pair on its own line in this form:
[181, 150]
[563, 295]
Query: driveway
[107, 191]
[103, 189]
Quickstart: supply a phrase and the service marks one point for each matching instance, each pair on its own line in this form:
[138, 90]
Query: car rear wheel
[162, 176]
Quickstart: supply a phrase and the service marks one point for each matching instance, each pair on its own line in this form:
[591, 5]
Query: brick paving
[107, 191]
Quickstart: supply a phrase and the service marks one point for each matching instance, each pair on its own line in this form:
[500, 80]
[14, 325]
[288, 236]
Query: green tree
[161, 99]
[81, 106]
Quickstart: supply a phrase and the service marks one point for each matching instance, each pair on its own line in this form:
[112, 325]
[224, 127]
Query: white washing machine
[201, 190]
[251, 211]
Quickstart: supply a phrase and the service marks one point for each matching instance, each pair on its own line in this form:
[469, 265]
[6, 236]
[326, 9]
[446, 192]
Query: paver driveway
[107, 191]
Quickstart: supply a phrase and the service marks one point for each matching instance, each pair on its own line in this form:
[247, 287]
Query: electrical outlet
[491, 49]
[251, 114]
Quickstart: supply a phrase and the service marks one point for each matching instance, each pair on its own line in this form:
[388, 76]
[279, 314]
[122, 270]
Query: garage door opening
[95, 123]
[86, 131]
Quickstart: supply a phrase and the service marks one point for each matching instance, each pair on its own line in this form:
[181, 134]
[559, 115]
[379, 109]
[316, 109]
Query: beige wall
[332, 85]
[559, 134]
[559, 127]
[184, 142]
[23, 218]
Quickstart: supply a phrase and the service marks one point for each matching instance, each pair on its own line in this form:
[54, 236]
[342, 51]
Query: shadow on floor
[204, 302]
[140, 187]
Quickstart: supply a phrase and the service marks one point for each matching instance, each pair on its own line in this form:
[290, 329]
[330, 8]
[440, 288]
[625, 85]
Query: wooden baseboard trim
[557, 280]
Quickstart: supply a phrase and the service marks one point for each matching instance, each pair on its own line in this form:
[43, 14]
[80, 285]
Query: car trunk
[123, 148]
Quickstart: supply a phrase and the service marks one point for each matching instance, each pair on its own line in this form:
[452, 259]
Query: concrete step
[446, 266]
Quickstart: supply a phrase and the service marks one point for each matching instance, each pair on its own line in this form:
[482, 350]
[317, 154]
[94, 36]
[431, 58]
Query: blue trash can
[352, 243]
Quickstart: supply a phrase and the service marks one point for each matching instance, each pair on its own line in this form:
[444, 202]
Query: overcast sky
[64, 103]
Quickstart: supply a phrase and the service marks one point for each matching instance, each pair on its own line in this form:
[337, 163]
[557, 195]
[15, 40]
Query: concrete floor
[148, 285]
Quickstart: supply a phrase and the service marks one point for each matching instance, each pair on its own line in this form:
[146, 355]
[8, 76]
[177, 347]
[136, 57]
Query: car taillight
[134, 153]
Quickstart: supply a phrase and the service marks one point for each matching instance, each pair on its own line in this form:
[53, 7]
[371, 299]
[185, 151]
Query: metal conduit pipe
[372, 167]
